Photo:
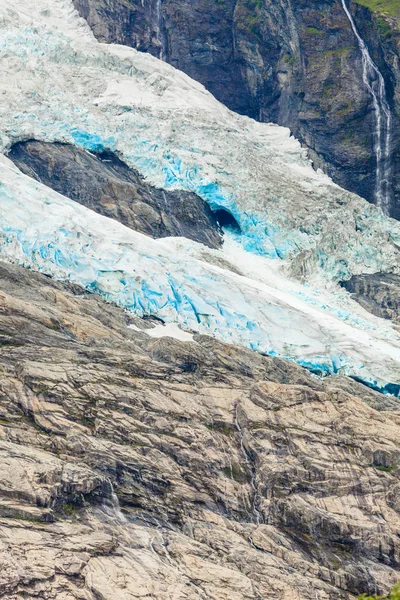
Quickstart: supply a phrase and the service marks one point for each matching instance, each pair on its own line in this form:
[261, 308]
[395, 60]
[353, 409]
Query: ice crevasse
[57, 83]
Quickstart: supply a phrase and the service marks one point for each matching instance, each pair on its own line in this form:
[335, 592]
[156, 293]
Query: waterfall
[111, 504]
[159, 30]
[375, 84]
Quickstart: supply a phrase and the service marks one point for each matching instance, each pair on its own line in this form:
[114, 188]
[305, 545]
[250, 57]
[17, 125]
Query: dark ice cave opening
[226, 219]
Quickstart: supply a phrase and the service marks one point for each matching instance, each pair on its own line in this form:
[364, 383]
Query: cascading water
[111, 504]
[159, 30]
[375, 84]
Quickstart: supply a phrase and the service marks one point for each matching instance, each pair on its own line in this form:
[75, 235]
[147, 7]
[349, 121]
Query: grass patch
[235, 472]
[224, 428]
[390, 7]
[338, 52]
[314, 31]
[290, 59]
[345, 110]
[384, 28]
[68, 509]
[384, 469]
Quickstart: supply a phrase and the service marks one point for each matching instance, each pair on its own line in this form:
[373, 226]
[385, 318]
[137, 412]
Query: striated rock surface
[379, 293]
[294, 63]
[108, 186]
[141, 467]
[60, 85]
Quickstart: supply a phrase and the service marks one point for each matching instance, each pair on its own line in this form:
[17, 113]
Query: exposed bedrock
[379, 293]
[153, 468]
[295, 63]
[108, 186]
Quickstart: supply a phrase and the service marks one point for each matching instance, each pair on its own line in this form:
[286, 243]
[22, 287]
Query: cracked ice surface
[58, 84]
[181, 281]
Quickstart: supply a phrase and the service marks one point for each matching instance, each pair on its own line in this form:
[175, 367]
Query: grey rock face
[382, 34]
[108, 186]
[379, 293]
[134, 467]
[129, 22]
[295, 63]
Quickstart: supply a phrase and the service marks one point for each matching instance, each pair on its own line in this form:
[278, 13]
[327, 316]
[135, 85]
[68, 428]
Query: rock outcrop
[105, 184]
[135, 466]
[296, 64]
[379, 293]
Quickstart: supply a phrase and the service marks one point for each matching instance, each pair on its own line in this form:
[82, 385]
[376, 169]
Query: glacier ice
[176, 280]
[58, 84]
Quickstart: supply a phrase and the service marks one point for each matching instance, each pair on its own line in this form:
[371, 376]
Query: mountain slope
[180, 421]
[238, 476]
[294, 63]
[103, 97]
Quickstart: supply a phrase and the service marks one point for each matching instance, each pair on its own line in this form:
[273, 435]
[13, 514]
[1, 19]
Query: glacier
[273, 287]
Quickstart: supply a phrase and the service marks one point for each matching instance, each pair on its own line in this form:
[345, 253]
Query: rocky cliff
[378, 293]
[297, 64]
[140, 466]
[105, 184]
[182, 422]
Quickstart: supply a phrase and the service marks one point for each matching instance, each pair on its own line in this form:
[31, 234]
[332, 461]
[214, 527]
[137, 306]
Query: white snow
[58, 84]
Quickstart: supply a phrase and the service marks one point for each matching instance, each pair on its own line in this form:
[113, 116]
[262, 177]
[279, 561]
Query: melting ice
[58, 84]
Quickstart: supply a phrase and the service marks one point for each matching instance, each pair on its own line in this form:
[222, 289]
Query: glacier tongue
[58, 84]
[176, 280]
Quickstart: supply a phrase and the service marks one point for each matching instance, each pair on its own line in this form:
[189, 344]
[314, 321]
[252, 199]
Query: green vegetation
[235, 472]
[314, 31]
[21, 518]
[290, 59]
[248, 18]
[338, 52]
[68, 509]
[219, 427]
[393, 595]
[257, 3]
[346, 110]
[390, 7]
[384, 469]
[383, 27]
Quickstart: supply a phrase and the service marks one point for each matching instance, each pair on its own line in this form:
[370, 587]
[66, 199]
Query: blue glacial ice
[59, 84]
[42, 230]
[178, 135]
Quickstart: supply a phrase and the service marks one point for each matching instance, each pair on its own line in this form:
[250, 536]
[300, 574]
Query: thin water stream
[159, 29]
[375, 84]
[111, 505]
